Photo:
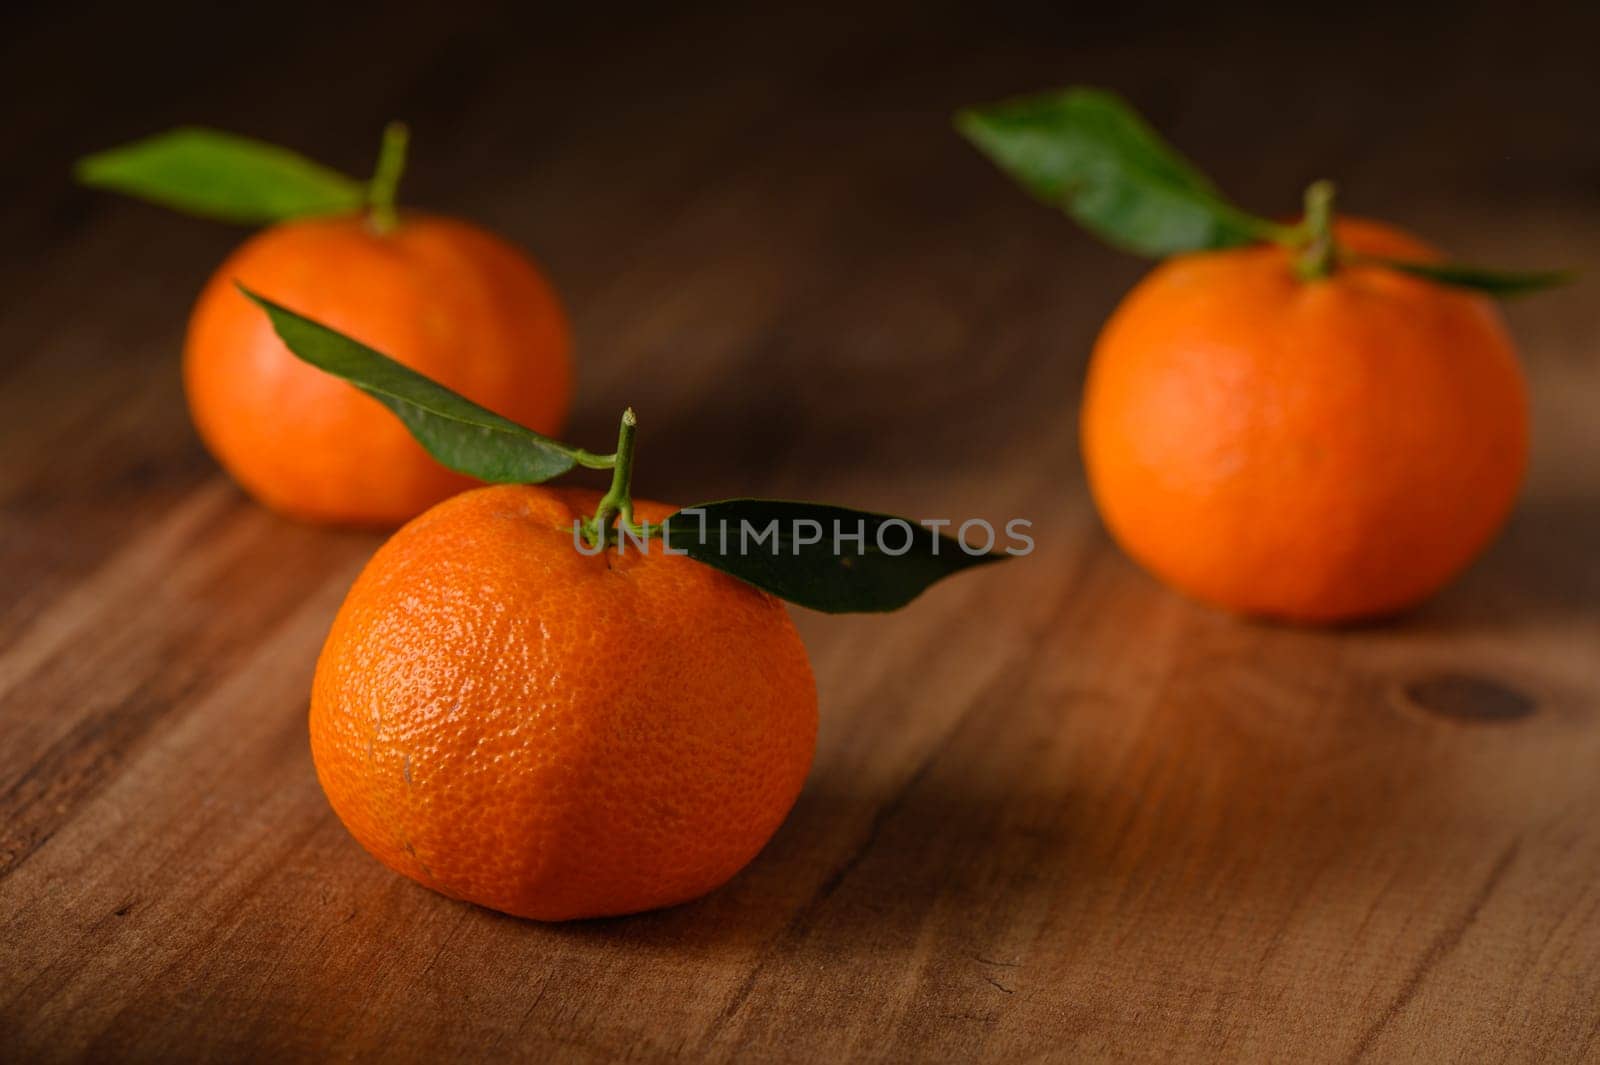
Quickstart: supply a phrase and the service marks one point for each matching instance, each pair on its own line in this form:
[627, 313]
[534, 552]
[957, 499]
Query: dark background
[733, 151]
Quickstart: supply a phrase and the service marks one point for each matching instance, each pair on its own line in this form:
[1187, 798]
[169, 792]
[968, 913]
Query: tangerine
[552, 734]
[1314, 450]
[446, 298]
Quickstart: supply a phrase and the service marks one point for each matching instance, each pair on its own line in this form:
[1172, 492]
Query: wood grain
[1057, 812]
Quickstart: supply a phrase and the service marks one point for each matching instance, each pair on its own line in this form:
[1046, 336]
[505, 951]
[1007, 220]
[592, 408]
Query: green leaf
[1499, 283]
[789, 549]
[1090, 154]
[222, 176]
[828, 558]
[462, 435]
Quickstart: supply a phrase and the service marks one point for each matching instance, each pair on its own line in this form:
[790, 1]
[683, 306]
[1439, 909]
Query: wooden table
[1057, 811]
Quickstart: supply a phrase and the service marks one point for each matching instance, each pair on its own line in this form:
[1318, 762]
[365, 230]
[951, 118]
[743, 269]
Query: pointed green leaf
[1090, 154]
[828, 558]
[462, 435]
[833, 559]
[1499, 283]
[219, 175]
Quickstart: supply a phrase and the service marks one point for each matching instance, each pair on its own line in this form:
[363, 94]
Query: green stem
[385, 181]
[618, 500]
[590, 461]
[1318, 253]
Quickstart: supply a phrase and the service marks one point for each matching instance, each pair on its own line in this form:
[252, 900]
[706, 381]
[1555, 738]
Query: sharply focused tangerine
[552, 734]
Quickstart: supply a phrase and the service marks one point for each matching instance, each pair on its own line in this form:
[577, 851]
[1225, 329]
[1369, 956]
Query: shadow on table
[1545, 567]
[1271, 765]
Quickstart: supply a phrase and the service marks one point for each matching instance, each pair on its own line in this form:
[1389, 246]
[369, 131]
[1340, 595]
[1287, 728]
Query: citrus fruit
[446, 298]
[552, 734]
[1315, 450]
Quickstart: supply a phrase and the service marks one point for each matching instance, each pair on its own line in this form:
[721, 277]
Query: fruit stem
[1318, 252]
[385, 181]
[618, 500]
